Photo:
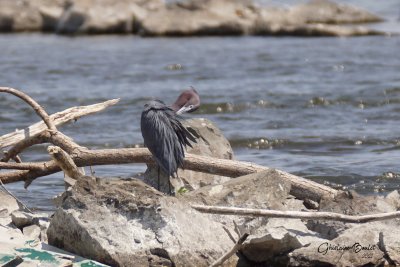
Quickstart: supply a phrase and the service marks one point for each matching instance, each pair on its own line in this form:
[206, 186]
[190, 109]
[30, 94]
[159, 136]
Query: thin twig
[229, 234]
[305, 215]
[237, 230]
[18, 201]
[235, 249]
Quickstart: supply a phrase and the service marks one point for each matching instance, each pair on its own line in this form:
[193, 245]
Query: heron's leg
[169, 186]
[158, 178]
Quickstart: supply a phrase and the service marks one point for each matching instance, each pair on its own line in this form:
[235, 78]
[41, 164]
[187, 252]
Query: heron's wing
[161, 139]
[184, 133]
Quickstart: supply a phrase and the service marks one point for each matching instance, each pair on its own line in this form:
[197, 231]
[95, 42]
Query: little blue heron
[163, 133]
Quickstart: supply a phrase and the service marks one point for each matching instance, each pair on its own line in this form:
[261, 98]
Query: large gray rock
[182, 18]
[24, 15]
[263, 190]
[314, 18]
[358, 246]
[104, 16]
[351, 203]
[276, 238]
[128, 223]
[210, 17]
[223, 17]
[211, 143]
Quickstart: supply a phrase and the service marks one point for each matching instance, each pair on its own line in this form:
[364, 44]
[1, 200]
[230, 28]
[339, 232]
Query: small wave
[330, 144]
[227, 107]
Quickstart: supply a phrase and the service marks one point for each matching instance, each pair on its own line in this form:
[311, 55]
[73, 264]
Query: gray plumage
[165, 136]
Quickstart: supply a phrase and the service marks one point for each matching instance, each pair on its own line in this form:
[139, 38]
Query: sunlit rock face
[183, 18]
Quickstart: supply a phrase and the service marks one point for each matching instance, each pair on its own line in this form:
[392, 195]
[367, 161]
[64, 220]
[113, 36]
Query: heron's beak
[183, 110]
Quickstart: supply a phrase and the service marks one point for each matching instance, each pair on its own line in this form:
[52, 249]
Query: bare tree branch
[59, 118]
[36, 107]
[22, 166]
[304, 215]
[56, 138]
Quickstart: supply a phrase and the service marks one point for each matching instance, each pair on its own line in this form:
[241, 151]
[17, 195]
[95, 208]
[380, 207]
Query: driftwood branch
[301, 188]
[235, 249]
[58, 118]
[65, 162]
[36, 107]
[81, 156]
[305, 215]
[56, 138]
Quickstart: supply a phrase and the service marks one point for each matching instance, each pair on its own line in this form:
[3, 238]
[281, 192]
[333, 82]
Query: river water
[324, 108]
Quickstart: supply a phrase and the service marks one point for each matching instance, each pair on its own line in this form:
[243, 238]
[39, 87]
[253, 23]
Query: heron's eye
[191, 106]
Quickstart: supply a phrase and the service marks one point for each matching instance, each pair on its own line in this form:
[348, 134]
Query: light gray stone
[32, 232]
[278, 237]
[21, 218]
[128, 223]
[8, 204]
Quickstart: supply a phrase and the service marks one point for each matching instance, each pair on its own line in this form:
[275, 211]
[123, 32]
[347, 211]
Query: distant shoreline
[155, 18]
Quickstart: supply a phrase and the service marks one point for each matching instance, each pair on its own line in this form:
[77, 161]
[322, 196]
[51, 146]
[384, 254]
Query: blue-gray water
[324, 108]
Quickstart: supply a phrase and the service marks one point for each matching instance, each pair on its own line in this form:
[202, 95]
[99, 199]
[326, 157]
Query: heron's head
[188, 101]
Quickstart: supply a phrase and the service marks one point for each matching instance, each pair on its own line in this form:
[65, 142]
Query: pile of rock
[13, 216]
[23, 238]
[125, 222]
[183, 18]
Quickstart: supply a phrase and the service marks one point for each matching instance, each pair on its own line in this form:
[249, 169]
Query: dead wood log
[304, 215]
[58, 118]
[301, 187]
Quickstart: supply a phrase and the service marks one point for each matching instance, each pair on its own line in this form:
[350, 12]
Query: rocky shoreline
[126, 222]
[184, 18]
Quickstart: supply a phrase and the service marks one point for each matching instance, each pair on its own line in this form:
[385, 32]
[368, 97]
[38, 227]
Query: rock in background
[212, 143]
[183, 18]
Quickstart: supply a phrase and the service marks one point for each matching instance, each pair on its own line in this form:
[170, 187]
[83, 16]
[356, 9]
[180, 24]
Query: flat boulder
[128, 223]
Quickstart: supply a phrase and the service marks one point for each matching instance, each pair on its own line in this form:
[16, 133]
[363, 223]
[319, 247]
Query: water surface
[323, 108]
